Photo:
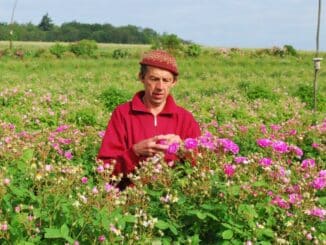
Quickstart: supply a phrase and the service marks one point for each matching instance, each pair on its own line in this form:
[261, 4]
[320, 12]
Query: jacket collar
[138, 105]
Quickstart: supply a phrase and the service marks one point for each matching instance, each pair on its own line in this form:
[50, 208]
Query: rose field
[256, 175]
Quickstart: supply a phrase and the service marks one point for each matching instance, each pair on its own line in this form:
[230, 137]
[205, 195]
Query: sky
[217, 23]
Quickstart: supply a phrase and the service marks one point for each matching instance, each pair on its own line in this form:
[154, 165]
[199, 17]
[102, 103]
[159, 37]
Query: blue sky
[220, 23]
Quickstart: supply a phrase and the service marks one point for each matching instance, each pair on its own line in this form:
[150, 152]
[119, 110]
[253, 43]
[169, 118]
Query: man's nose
[159, 84]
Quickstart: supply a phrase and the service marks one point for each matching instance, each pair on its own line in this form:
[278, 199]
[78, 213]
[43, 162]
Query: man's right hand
[151, 146]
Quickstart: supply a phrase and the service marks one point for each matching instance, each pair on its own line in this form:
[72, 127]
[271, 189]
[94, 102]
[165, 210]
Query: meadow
[259, 176]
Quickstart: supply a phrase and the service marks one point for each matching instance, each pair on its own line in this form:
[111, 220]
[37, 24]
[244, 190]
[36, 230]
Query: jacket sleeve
[114, 146]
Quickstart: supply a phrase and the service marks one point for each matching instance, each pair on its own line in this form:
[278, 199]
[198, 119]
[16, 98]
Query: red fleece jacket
[131, 122]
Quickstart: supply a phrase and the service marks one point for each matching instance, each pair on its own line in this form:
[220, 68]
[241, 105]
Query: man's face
[157, 83]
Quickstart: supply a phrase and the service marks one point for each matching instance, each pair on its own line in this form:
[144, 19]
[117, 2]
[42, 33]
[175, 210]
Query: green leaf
[268, 232]
[52, 233]
[260, 184]
[227, 235]
[64, 230]
[162, 225]
[130, 218]
[173, 229]
[199, 214]
[322, 201]
[234, 190]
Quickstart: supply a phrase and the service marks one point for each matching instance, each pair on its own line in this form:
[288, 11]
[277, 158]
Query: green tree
[46, 23]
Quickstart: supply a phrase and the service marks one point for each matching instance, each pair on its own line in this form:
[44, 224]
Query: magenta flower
[296, 150]
[275, 127]
[173, 148]
[62, 128]
[68, 155]
[84, 180]
[206, 141]
[64, 141]
[229, 169]
[295, 198]
[190, 143]
[265, 162]
[229, 145]
[317, 212]
[308, 163]
[108, 187]
[101, 134]
[101, 238]
[280, 202]
[4, 227]
[264, 143]
[315, 145]
[100, 169]
[319, 183]
[322, 173]
[240, 160]
[280, 146]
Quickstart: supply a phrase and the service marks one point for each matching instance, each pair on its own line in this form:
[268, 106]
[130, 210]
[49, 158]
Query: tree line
[75, 31]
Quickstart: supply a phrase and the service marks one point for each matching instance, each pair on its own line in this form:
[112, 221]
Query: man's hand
[156, 144]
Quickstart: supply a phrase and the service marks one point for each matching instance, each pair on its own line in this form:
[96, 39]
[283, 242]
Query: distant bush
[120, 53]
[85, 117]
[112, 97]
[289, 49]
[68, 54]
[84, 48]
[254, 92]
[58, 50]
[171, 43]
[193, 50]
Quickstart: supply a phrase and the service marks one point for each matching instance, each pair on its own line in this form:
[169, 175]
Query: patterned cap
[160, 59]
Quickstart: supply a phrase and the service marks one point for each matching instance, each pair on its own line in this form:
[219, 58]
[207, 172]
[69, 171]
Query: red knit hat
[160, 59]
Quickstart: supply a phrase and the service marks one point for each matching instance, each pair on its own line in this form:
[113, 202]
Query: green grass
[243, 87]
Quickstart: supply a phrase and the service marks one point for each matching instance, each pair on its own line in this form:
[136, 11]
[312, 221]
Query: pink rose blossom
[296, 150]
[295, 198]
[322, 173]
[101, 134]
[173, 148]
[264, 143]
[101, 238]
[84, 180]
[309, 236]
[280, 202]
[229, 145]
[308, 163]
[95, 190]
[280, 146]
[315, 145]
[62, 128]
[319, 183]
[6, 181]
[240, 159]
[190, 143]
[48, 168]
[68, 155]
[4, 227]
[275, 127]
[100, 169]
[265, 162]
[229, 169]
[317, 212]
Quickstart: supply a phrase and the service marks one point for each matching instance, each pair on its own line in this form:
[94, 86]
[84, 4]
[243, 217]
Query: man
[151, 121]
